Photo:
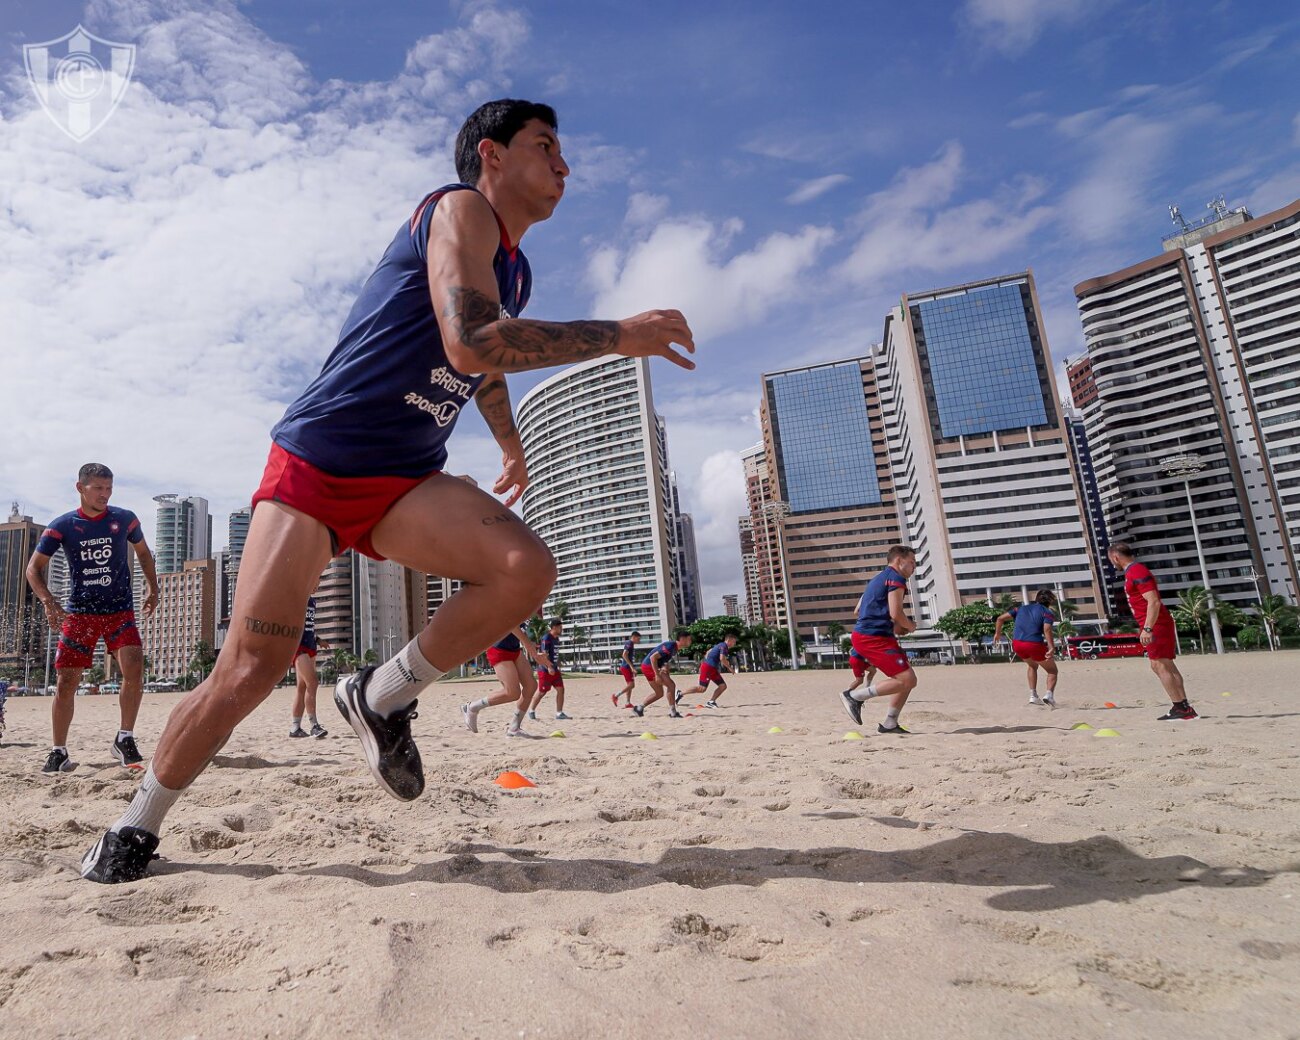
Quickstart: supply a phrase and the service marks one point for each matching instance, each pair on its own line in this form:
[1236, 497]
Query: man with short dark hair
[711, 669]
[549, 676]
[1157, 634]
[1031, 641]
[94, 538]
[626, 667]
[304, 667]
[357, 460]
[881, 620]
[655, 669]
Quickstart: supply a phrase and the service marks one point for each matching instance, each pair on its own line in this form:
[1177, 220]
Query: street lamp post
[1259, 598]
[1184, 467]
[779, 511]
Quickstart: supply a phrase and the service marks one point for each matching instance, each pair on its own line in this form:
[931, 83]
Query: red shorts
[496, 657]
[309, 651]
[628, 674]
[82, 631]
[858, 665]
[1029, 651]
[547, 681]
[1164, 643]
[709, 674]
[882, 652]
[649, 672]
[349, 507]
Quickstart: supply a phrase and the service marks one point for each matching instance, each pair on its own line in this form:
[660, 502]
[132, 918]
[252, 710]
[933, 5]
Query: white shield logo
[79, 79]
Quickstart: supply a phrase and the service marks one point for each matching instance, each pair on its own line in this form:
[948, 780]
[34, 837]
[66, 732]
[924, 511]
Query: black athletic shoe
[898, 731]
[120, 856]
[674, 714]
[297, 731]
[638, 710]
[677, 697]
[852, 706]
[57, 762]
[125, 751]
[1175, 713]
[390, 752]
[318, 731]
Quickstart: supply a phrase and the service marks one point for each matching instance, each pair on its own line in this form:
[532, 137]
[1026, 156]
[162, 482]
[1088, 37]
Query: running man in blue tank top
[355, 462]
[1031, 640]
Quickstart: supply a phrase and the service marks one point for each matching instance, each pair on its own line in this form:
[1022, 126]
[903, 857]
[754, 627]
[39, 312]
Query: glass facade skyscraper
[822, 435]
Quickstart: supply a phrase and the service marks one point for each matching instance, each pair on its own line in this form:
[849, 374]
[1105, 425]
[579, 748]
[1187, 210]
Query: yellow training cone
[1080, 725]
[776, 729]
[853, 734]
[1106, 733]
[1225, 695]
[648, 736]
[558, 733]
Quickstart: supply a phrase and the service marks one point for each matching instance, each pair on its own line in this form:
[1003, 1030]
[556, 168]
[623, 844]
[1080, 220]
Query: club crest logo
[79, 79]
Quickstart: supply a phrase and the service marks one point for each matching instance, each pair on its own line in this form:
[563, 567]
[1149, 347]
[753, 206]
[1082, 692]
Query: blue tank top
[387, 398]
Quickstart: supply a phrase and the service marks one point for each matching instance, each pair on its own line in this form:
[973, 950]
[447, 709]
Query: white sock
[891, 718]
[121, 733]
[60, 747]
[297, 722]
[149, 806]
[519, 718]
[479, 704]
[1034, 694]
[397, 683]
[312, 720]
[864, 694]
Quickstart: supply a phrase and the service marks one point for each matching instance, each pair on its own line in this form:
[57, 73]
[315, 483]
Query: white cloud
[686, 263]
[1012, 26]
[173, 281]
[809, 190]
[645, 208]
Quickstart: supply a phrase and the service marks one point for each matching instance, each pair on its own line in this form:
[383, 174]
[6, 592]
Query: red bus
[1092, 647]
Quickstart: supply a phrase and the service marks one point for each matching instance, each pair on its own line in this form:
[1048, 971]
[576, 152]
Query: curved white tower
[596, 498]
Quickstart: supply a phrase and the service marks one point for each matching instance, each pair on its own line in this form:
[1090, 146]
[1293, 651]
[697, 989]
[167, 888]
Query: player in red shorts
[655, 669]
[627, 668]
[862, 669]
[357, 460]
[1031, 639]
[549, 676]
[304, 667]
[95, 539]
[711, 668]
[881, 620]
[1157, 629]
[518, 684]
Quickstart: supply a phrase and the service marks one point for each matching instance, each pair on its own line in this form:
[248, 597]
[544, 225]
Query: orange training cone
[1110, 704]
[511, 780]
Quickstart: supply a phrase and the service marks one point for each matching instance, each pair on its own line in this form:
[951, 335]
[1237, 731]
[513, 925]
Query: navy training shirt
[550, 648]
[98, 559]
[666, 650]
[1029, 619]
[308, 640]
[873, 608]
[387, 398]
[714, 656]
[508, 642]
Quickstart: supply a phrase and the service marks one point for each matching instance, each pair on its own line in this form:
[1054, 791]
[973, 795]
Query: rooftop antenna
[1219, 206]
[1176, 215]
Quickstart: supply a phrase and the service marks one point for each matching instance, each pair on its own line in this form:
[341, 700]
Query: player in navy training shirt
[627, 668]
[96, 540]
[655, 669]
[508, 657]
[549, 676]
[711, 668]
[353, 463]
[1031, 640]
[881, 620]
[304, 667]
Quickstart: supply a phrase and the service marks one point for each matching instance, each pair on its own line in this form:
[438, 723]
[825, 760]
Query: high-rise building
[751, 605]
[186, 613]
[979, 449]
[382, 617]
[335, 616]
[686, 571]
[1095, 527]
[22, 615]
[600, 499]
[184, 532]
[237, 524]
[759, 548]
[1195, 352]
[835, 514]
[731, 605]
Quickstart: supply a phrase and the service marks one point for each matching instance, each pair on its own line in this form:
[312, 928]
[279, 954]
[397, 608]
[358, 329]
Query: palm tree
[1193, 610]
[1062, 631]
[836, 633]
[536, 628]
[1275, 613]
[579, 638]
[370, 656]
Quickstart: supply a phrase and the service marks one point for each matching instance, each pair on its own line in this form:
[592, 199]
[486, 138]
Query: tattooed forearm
[520, 344]
[272, 628]
[493, 399]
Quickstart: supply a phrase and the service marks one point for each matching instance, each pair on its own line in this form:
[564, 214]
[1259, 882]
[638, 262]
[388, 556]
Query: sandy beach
[993, 874]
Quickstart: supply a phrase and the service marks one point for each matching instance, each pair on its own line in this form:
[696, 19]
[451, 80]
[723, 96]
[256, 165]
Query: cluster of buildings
[1182, 425]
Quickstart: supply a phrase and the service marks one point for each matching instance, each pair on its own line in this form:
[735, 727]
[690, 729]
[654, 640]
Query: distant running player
[1031, 641]
[655, 669]
[711, 669]
[627, 668]
[95, 538]
[863, 670]
[881, 620]
[508, 657]
[357, 460]
[549, 676]
[1157, 633]
[304, 666]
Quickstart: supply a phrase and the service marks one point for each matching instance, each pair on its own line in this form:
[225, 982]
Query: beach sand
[994, 874]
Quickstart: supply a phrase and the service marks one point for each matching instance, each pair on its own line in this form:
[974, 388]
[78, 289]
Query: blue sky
[780, 172]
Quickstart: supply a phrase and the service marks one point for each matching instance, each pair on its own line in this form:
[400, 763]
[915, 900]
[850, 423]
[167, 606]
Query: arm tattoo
[493, 399]
[522, 344]
[272, 628]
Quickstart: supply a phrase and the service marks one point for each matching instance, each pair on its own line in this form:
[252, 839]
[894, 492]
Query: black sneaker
[1175, 713]
[677, 697]
[57, 762]
[898, 731]
[120, 856]
[318, 731]
[390, 752]
[638, 711]
[297, 731]
[125, 751]
[674, 714]
[852, 706]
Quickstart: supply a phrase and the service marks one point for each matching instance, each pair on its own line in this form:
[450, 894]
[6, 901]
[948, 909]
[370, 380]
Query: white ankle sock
[479, 704]
[149, 806]
[864, 694]
[398, 682]
[891, 718]
[297, 722]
